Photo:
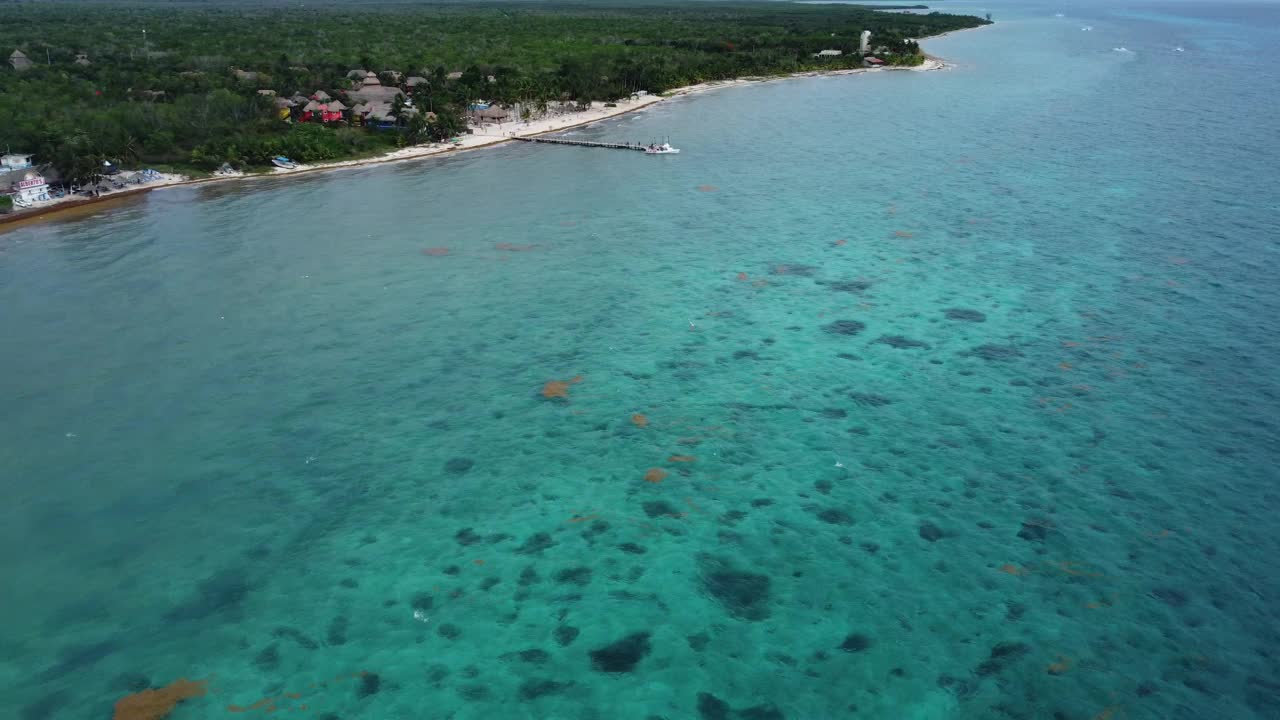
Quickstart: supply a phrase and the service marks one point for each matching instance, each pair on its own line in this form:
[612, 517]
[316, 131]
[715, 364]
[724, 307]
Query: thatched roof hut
[19, 60]
[493, 112]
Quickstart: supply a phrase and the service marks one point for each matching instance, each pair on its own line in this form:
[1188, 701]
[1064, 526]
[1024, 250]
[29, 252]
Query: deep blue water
[962, 383]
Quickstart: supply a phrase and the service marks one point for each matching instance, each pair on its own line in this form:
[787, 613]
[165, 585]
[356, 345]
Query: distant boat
[1087, 28]
[1178, 49]
[1059, 15]
[663, 149]
[283, 162]
[1122, 49]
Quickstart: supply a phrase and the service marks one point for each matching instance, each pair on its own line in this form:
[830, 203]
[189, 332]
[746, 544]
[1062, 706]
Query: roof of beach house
[375, 93]
[371, 79]
[321, 95]
[415, 81]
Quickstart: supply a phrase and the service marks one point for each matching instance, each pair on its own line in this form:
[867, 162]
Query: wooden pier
[582, 143]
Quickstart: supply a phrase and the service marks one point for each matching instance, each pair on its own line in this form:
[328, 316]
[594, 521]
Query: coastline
[477, 140]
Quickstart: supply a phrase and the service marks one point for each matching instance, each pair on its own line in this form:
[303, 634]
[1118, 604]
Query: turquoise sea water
[962, 383]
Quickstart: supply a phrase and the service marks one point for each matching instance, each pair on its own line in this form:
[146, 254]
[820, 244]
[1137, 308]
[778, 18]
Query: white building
[14, 161]
[864, 43]
[31, 188]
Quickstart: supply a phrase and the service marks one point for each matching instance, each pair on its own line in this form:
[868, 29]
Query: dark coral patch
[849, 286]
[659, 508]
[1170, 596]
[621, 656]
[793, 269]
[1033, 532]
[534, 656]
[964, 315]
[534, 689]
[743, 594]
[528, 576]
[835, 516]
[574, 576]
[844, 327]
[711, 707]
[994, 353]
[565, 635]
[931, 532]
[1001, 656]
[869, 399]
[856, 642]
[901, 342]
[458, 465]
[535, 543]
[370, 684]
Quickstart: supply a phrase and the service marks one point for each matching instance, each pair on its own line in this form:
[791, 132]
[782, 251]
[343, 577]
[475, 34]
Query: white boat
[663, 149]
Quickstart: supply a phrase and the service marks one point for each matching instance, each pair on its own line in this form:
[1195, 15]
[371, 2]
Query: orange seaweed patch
[655, 475]
[903, 234]
[1063, 665]
[707, 188]
[436, 251]
[1064, 365]
[267, 703]
[157, 704]
[1013, 569]
[1105, 602]
[841, 242]
[742, 276]
[1107, 712]
[559, 388]
[639, 420]
[1163, 533]
[681, 458]
[478, 562]
[1179, 260]
[1072, 568]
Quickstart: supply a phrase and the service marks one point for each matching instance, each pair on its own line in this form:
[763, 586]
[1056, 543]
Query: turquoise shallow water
[962, 383]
